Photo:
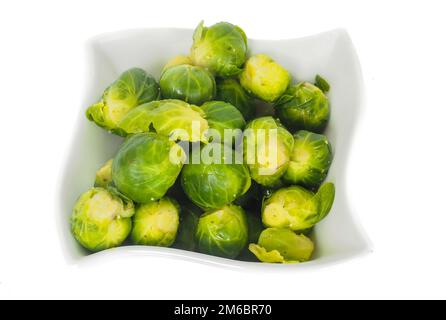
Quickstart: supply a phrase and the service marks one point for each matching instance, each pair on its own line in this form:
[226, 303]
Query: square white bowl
[331, 54]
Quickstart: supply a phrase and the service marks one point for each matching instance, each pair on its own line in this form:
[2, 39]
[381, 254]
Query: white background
[396, 172]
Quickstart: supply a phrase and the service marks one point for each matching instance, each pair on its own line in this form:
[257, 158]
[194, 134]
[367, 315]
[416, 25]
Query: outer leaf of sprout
[272, 256]
[172, 115]
[322, 84]
[168, 117]
[137, 120]
[282, 246]
[325, 197]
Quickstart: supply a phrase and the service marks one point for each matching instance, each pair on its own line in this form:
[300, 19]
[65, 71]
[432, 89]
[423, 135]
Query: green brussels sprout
[103, 175]
[222, 48]
[310, 159]
[267, 149]
[304, 106]
[255, 227]
[188, 224]
[174, 118]
[278, 245]
[176, 61]
[156, 223]
[101, 220]
[297, 208]
[146, 166]
[221, 116]
[264, 78]
[222, 232]
[218, 181]
[132, 88]
[230, 91]
[189, 83]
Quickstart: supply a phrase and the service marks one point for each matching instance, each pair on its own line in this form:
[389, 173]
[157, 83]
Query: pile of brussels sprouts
[151, 194]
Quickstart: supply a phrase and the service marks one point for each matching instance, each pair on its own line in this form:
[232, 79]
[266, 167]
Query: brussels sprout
[310, 159]
[103, 175]
[304, 106]
[255, 227]
[230, 91]
[188, 224]
[212, 184]
[297, 208]
[156, 223]
[221, 48]
[220, 116]
[132, 88]
[222, 232]
[176, 61]
[100, 220]
[278, 245]
[264, 78]
[325, 198]
[189, 83]
[144, 167]
[267, 149]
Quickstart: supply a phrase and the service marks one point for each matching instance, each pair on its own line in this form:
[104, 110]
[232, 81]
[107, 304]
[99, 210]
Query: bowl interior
[329, 54]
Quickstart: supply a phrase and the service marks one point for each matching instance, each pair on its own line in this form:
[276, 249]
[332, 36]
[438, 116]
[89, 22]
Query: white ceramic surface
[331, 54]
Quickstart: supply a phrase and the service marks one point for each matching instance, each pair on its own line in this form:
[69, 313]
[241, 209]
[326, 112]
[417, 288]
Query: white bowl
[331, 54]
